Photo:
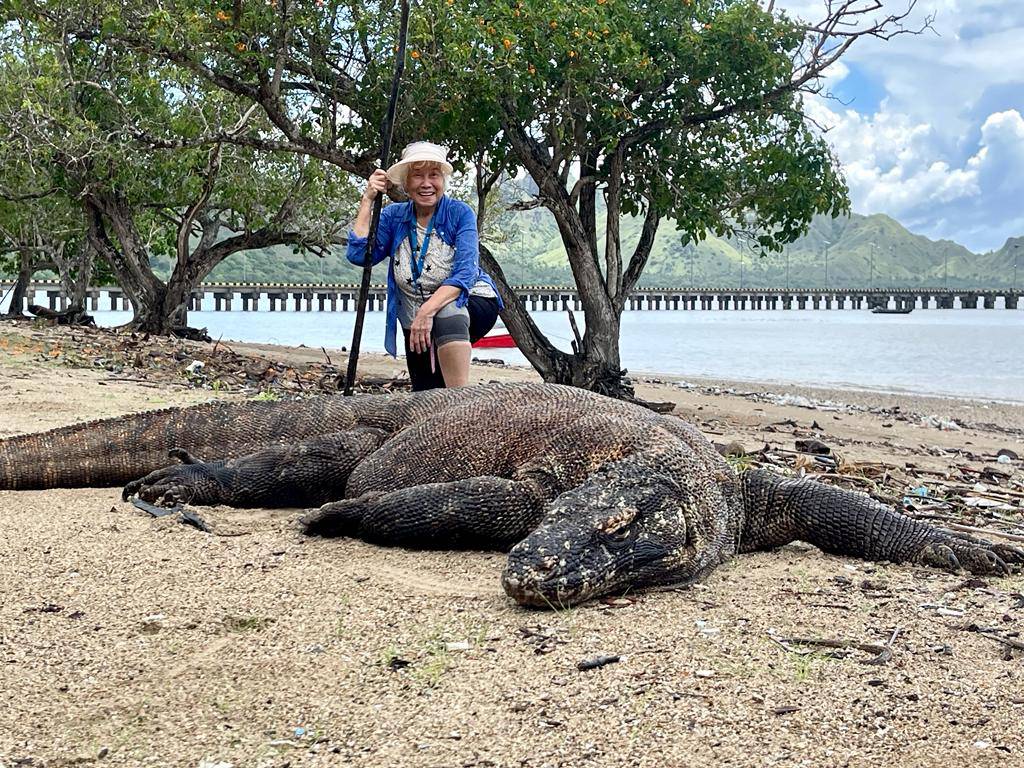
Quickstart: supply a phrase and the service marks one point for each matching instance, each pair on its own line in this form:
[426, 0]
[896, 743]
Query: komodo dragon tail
[112, 452]
[778, 510]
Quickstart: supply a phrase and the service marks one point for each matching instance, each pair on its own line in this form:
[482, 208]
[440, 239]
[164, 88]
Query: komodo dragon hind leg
[779, 510]
[305, 473]
[485, 512]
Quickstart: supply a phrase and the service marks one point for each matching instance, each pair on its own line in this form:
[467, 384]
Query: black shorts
[483, 314]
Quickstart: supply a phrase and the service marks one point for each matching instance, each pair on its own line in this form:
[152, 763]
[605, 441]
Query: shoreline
[1000, 415]
[710, 381]
[860, 395]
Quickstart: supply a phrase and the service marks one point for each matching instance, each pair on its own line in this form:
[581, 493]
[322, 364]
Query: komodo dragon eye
[618, 527]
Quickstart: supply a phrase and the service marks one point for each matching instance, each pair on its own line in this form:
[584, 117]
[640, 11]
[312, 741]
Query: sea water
[973, 353]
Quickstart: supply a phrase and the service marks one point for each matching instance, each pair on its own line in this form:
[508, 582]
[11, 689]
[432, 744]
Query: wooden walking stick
[371, 237]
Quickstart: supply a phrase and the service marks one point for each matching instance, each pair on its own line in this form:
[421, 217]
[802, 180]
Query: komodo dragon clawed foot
[979, 557]
[192, 482]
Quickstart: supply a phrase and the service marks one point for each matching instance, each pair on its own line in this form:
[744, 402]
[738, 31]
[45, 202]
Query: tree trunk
[129, 258]
[74, 266]
[26, 269]
[594, 365]
[75, 270]
[161, 308]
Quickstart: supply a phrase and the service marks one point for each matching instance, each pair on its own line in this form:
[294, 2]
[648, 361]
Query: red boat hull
[498, 341]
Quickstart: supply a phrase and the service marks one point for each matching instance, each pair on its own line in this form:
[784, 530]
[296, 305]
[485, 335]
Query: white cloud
[892, 166]
[944, 150]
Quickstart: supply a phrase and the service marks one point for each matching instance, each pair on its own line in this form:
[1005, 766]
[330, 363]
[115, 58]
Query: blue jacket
[454, 223]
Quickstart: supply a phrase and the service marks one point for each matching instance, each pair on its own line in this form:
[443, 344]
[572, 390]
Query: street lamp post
[691, 265]
[787, 269]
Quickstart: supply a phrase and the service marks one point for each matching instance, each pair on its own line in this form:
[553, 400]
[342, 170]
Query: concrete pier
[334, 298]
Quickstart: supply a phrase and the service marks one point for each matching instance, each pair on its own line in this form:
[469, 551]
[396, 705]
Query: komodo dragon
[590, 495]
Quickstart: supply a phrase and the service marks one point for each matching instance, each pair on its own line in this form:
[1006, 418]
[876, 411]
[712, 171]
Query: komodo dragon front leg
[485, 512]
[778, 510]
[302, 474]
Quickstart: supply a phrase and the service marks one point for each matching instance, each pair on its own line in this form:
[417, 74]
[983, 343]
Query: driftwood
[64, 317]
[881, 654]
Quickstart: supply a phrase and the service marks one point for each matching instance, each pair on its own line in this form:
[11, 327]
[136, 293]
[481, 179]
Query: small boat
[887, 311]
[496, 338]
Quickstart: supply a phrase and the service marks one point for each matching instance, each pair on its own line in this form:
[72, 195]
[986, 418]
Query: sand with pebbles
[126, 640]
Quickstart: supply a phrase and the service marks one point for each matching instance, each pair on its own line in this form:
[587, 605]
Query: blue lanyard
[414, 246]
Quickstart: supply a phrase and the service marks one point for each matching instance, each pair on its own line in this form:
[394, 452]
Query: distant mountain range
[861, 251]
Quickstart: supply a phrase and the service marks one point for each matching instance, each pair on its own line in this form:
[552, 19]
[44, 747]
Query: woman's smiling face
[425, 184]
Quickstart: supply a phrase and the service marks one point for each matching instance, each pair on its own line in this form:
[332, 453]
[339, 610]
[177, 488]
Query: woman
[436, 289]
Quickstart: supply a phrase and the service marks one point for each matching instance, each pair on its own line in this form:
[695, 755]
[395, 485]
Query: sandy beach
[127, 641]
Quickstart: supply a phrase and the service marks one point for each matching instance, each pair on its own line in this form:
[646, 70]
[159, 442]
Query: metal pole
[371, 239]
[787, 269]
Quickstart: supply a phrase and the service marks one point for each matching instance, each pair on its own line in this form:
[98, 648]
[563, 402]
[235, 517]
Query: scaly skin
[590, 495]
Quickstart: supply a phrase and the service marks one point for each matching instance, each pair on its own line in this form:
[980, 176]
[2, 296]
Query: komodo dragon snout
[625, 526]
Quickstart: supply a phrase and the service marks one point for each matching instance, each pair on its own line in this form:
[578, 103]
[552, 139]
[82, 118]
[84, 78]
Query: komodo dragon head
[627, 526]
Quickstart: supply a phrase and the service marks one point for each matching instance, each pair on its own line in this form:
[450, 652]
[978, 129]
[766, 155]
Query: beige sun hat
[419, 152]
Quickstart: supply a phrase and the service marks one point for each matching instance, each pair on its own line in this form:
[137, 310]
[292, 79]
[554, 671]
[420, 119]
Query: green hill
[861, 250]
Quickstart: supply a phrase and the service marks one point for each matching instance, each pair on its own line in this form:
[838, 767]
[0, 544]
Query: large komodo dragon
[591, 495]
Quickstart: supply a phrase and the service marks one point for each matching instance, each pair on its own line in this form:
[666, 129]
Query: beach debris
[785, 710]
[597, 662]
[152, 509]
[1009, 640]
[879, 654]
[813, 446]
[735, 449]
[937, 422]
[544, 638]
[175, 362]
[153, 623]
[44, 608]
[188, 517]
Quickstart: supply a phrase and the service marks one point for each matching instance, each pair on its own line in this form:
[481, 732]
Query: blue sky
[930, 128]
